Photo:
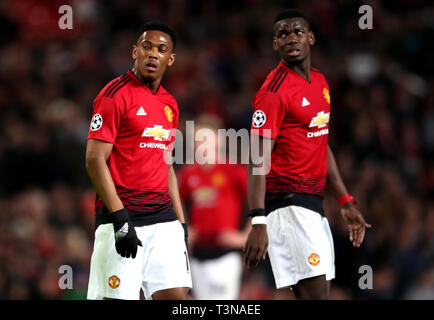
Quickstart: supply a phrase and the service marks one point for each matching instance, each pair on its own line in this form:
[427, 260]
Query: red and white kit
[140, 124]
[296, 114]
[215, 196]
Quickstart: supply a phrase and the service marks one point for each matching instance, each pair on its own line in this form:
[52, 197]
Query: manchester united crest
[217, 179]
[326, 94]
[114, 282]
[313, 259]
[169, 113]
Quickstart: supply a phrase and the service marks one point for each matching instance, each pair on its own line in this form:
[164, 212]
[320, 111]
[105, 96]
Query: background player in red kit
[215, 195]
[139, 239]
[292, 112]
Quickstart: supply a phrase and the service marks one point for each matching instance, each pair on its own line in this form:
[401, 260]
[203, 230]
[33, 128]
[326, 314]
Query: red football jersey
[140, 124]
[215, 196]
[296, 114]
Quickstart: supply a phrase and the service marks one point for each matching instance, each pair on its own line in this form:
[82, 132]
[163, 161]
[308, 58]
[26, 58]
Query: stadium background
[382, 128]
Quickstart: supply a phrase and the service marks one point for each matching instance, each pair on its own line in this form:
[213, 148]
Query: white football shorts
[217, 279]
[300, 245]
[162, 263]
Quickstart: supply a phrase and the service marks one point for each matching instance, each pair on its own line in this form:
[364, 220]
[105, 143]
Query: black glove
[126, 240]
[185, 226]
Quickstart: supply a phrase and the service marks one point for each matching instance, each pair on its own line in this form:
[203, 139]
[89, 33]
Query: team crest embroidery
[217, 179]
[326, 94]
[96, 122]
[114, 282]
[313, 259]
[169, 113]
[259, 118]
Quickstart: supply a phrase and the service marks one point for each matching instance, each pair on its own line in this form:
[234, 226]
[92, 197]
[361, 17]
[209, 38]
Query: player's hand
[256, 245]
[126, 240]
[355, 222]
[192, 236]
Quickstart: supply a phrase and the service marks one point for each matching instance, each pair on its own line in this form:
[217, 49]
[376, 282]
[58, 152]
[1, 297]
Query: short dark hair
[156, 25]
[291, 13]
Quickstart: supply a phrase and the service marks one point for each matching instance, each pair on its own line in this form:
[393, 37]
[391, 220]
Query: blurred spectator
[214, 194]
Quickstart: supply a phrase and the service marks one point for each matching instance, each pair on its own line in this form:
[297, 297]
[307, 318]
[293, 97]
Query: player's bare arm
[174, 195]
[351, 215]
[176, 201]
[235, 239]
[257, 240]
[97, 153]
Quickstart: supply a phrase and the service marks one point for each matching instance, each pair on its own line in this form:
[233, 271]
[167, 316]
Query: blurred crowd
[382, 127]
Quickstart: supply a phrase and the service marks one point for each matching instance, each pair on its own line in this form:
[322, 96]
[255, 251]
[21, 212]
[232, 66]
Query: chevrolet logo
[158, 132]
[320, 120]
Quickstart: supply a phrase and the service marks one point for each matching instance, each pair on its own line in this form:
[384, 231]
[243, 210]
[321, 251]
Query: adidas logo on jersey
[305, 102]
[141, 112]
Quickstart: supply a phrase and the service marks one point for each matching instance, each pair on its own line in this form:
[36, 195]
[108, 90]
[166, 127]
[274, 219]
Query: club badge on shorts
[313, 259]
[114, 282]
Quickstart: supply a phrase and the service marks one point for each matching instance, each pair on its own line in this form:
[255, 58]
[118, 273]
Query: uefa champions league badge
[259, 118]
[96, 122]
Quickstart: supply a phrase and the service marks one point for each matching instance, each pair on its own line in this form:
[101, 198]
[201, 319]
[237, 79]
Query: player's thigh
[218, 278]
[167, 265]
[171, 294]
[316, 288]
[200, 282]
[111, 275]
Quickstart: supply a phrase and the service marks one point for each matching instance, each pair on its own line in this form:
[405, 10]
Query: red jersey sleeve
[175, 123]
[105, 121]
[268, 115]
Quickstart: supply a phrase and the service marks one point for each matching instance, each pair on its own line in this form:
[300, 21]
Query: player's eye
[299, 32]
[162, 49]
[147, 46]
[283, 34]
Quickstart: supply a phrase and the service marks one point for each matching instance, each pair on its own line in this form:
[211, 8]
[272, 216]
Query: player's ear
[134, 52]
[275, 46]
[311, 38]
[171, 59]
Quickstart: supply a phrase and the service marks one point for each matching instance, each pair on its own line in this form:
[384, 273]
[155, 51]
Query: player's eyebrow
[292, 26]
[155, 44]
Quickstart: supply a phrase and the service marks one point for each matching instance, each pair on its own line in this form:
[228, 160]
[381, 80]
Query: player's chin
[150, 75]
[294, 59]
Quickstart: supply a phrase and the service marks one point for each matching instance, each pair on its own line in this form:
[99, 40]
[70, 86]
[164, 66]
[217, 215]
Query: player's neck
[302, 68]
[152, 85]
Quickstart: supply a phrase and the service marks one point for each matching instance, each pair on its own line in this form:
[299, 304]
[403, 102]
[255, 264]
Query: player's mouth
[294, 52]
[151, 66]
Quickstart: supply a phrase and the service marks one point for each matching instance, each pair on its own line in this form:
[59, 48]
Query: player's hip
[300, 245]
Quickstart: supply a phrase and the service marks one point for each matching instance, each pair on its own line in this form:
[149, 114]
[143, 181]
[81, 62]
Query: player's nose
[292, 39]
[153, 53]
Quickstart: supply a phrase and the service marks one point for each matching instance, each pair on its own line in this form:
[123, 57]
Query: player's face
[292, 39]
[206, 138]
[153, 53]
